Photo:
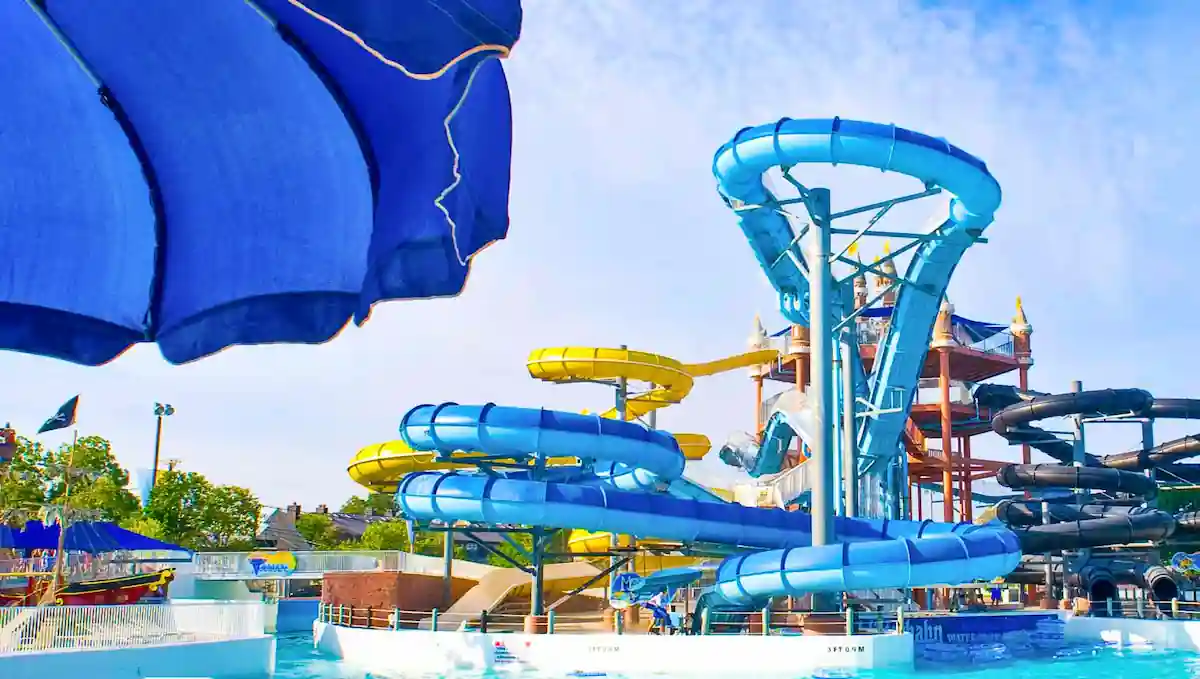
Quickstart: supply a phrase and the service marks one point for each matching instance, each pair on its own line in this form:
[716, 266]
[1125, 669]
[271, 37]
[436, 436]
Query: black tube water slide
[1018, 409]
[1105, 522]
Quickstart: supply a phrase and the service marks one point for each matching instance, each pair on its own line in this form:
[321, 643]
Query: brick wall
[406, 591]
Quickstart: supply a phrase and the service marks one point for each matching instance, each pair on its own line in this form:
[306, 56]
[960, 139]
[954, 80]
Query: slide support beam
[820, 311]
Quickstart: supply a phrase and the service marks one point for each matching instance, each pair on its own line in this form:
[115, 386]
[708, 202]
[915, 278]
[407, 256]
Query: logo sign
[272, 564]
[974, 629]
[625, 588]
[1187, 565]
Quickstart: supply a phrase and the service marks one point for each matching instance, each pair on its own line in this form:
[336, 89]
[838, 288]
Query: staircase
[790, 486]
[914, 439]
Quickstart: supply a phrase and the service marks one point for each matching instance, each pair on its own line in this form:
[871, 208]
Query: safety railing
[1000, 344]
[104, 627]
[237, 565]
[1146, 609]
[77, 567]
[707, 622]
[929, 392]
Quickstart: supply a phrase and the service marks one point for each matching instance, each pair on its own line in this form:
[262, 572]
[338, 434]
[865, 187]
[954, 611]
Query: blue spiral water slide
[876, 553]
[739, 167]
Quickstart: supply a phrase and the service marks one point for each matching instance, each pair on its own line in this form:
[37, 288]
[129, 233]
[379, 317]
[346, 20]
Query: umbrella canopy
[7, 540]
[92, 537]
[219, 173]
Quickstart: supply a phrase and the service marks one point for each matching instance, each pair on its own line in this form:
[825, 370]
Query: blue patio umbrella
[6, 537]
[92, 537]
[209, 174]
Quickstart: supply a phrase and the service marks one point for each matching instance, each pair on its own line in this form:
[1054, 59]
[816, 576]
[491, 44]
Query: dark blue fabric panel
[424, 35]
[418, 250]
[264, 187]
[483, 136]
[77, 225]
[93, 537]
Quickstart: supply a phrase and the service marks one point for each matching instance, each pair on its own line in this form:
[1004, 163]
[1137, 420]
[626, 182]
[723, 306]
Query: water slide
[671, 381]
[739, 167]
[380, 466]
[1108, 521]
[879, 553]
[789, 416]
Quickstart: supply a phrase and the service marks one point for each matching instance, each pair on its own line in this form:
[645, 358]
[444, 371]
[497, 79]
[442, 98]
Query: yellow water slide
[670, 382]
[380, 466]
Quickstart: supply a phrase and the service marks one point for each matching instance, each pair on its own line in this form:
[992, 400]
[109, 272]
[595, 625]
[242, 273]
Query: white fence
[237, 566]
[99, 627]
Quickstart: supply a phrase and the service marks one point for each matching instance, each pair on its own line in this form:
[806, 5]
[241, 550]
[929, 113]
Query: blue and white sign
[971, 629]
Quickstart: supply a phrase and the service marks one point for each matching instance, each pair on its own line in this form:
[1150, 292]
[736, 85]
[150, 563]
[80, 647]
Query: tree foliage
[320, 532]
[385, 535]
[184, 507]
[34, 484]
[194, 513]
[380, 504]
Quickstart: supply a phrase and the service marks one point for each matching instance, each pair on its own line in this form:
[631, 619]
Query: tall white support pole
[820, 283]
[849, 431]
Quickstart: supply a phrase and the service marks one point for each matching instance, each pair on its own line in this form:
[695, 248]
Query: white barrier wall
[1180, 635]
[387, 651]
[199, 639]
[234, 658]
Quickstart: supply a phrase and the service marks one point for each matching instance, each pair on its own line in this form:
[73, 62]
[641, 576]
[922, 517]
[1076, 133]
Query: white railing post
[99, 627]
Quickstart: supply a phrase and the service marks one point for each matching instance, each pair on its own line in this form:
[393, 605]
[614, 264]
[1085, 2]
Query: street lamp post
[161, 410]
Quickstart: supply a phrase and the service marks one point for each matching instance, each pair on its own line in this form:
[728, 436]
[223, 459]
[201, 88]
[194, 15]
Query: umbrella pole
[51, 592]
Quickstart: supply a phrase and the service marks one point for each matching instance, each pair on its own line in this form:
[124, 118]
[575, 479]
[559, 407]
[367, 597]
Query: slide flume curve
[739, 166]
[878, 553]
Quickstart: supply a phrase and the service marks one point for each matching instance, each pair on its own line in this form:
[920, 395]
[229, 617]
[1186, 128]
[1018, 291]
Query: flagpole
[59, 557]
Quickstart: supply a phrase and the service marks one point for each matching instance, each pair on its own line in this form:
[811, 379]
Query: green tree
[144, 525]
[177, 504]
[380, 504]
[231, 518]
[320, 532]
[385, 535]
[22, 483]
[557, 545]
[523, 539]
[35, 481]
[194, 513]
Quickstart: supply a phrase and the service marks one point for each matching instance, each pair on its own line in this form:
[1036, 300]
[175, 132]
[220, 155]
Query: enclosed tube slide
[790, 416]
[878, 553]
[1101, 523]
[1016, 423]
[739, 166]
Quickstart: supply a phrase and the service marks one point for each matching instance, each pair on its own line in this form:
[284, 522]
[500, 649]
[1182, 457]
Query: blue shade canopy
[93, 537]
[210, 174]
[969, 330]
[6, 537]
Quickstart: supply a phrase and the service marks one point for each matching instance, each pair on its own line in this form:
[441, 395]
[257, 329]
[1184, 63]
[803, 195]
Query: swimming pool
[296, 659]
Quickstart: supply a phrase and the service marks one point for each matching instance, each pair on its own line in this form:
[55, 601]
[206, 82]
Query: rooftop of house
[278, 529]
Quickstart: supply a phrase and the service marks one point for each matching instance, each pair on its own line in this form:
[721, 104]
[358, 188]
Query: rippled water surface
[296, 659]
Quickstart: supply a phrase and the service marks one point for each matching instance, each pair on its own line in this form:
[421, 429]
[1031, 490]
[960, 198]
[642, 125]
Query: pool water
[296, 659]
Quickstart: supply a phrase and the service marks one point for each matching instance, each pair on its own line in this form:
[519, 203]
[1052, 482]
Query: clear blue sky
[1084, 114]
